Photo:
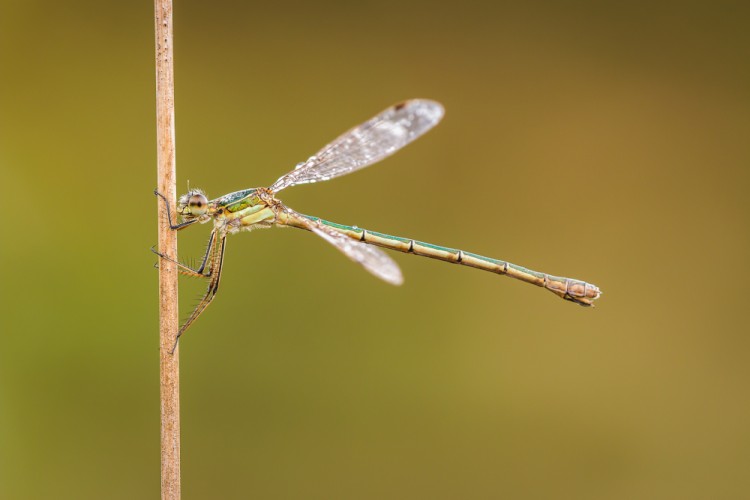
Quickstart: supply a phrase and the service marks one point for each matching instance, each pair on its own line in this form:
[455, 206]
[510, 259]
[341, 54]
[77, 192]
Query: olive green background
[598, 140]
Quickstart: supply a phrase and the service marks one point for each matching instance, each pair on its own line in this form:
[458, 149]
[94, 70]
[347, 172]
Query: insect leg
[174, 227]
[187, 270]
[214, 272]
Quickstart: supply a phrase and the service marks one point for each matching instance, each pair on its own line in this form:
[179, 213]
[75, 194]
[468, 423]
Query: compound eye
[198, 204]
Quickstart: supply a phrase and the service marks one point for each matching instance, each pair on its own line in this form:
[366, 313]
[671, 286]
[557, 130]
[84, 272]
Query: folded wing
[371, 258]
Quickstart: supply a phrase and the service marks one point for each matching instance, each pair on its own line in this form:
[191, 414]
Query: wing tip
[396, 280]
[432, 109]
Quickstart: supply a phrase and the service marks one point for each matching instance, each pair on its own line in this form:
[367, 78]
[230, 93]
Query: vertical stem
[168, 315]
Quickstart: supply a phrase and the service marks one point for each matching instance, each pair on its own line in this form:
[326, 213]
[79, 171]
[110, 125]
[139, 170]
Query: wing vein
[367, 143]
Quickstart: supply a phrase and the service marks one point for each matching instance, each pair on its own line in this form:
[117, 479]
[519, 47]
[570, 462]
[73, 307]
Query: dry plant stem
[168, 314]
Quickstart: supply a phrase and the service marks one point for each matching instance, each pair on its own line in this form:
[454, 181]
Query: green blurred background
[602, 141]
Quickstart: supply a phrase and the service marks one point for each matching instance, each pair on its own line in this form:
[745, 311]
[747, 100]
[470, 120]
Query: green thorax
[238, 201]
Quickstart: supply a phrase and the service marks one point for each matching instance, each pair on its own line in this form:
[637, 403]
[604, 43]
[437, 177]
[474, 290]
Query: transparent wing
[367, 143]
[372, 259]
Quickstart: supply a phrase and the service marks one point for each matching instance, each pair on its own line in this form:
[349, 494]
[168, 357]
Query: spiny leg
[174, 227]
[187, 270]
[217, 261]
[181, 268]
[208, 251]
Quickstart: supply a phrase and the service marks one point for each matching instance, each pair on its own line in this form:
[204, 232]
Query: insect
[360, 147]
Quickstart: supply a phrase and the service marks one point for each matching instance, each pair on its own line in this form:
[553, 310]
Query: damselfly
[363, 145]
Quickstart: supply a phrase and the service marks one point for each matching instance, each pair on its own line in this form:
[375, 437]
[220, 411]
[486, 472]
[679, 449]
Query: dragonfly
[365, 144]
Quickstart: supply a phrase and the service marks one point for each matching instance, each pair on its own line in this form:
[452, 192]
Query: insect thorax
[239, 200]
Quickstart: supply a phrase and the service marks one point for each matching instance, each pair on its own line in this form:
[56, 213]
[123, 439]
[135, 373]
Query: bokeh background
[605, 141]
